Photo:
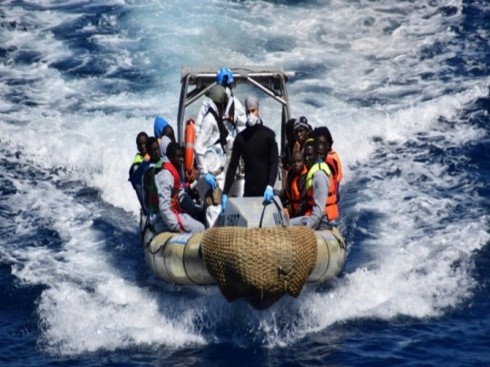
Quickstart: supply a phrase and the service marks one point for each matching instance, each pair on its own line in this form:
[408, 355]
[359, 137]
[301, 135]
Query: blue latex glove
[210, 180]
[268, 195]
[224, 200]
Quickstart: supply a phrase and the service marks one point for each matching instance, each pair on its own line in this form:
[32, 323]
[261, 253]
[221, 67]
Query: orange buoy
[190, 137]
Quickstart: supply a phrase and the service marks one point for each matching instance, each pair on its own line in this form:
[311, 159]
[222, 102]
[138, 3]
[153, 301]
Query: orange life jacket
[331, 205]
[333, 161]
[295, 191]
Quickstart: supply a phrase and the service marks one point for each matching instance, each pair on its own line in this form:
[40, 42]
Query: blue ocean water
[404, 88]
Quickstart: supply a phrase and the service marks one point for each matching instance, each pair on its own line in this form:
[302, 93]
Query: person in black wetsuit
[258, 148]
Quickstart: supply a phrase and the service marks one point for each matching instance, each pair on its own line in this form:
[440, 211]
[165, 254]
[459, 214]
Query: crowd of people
[235, 155]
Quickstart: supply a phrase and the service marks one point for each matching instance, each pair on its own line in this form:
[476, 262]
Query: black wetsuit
[258, 148]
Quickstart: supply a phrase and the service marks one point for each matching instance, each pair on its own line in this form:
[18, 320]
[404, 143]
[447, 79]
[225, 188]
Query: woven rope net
[259, 264]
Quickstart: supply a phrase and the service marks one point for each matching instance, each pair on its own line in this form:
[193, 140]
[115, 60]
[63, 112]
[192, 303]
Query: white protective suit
[240, 117]
[210, 155]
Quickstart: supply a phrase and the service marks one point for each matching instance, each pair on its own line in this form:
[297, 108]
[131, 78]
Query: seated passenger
[187, 201]
[140, 156]
[294, 193]
[322, 134]
[168, 131]
[168, 190]
[138, 176]
[302, 132]
[145, 171]
[288, 144]
[321, 191]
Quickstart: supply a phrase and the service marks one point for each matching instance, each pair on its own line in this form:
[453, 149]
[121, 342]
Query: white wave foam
[88, 304]
[376, 73]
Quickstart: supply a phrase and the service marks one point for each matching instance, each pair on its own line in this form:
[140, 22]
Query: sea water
[403, 87]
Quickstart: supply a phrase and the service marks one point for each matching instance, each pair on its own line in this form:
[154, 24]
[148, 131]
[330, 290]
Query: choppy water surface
[404, 88]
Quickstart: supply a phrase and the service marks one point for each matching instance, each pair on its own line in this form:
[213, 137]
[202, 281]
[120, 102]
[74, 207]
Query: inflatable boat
[253, 253]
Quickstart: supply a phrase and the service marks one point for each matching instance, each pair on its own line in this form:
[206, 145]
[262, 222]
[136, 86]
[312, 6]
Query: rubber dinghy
[254, 254]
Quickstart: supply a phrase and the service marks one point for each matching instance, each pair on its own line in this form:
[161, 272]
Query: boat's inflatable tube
[179, 258]
[176, 258]
[330, 258]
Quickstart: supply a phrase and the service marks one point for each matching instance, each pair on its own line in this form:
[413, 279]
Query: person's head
[217, 94]
[158, 126]
[141, 139]
[224, 77]
[322, 134]
[309, 154]
[252, 105]
[169, 131]
[153, 149]
[302, 130]
[296, 161]
[252, 109]
[321, 150]
[175, 154]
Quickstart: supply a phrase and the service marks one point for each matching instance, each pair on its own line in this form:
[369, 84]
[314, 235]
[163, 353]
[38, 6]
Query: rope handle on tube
[283, 222]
